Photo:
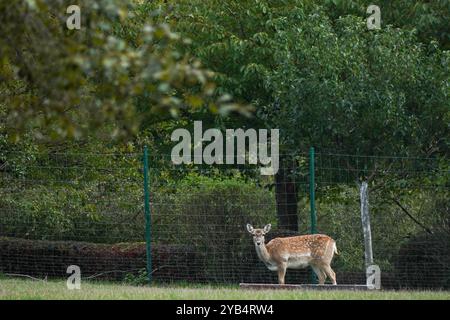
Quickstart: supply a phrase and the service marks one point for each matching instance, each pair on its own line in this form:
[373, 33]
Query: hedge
[104, 261]
[423, 262]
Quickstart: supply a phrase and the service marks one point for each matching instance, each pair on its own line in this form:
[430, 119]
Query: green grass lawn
[30, 289]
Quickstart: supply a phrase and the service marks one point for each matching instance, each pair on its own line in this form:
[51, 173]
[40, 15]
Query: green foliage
[86, 197]
[323, 80]
[429, 19]
[357, 91]
[139, 279]
[72, 213]
[211, 214]
[63, 83]
[420, 257]
[215, 208]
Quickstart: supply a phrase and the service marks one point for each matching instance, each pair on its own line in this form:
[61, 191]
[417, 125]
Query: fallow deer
[315, 250]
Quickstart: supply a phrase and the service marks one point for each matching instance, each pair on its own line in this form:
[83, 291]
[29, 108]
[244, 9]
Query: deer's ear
[249, 228]
[267, 228]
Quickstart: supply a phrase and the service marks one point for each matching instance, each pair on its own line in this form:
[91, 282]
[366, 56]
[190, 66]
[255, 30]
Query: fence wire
[61, 209]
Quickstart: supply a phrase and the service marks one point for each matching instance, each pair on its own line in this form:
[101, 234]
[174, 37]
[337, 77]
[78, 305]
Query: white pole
[365, 219]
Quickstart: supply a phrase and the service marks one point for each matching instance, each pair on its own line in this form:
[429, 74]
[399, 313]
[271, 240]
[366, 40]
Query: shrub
[72, 212]
[211, 214]
[104, 261]
[424, 261]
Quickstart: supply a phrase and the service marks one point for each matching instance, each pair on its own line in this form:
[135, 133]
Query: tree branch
[428, 230]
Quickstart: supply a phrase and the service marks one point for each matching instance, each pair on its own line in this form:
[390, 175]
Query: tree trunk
[286, 196]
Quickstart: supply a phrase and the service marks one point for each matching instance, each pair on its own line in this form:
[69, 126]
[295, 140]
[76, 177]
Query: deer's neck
[263, 254]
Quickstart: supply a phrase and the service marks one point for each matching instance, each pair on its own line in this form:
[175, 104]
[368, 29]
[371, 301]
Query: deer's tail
[335, 249]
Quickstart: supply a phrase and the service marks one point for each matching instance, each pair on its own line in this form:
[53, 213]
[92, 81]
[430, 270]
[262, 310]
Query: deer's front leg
[281, 272]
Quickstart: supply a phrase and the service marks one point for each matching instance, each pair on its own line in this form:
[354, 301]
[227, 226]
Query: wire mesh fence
[62, 209]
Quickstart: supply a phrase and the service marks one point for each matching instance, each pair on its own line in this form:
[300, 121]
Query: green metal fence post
[312, 194]
[312, 202]
[148, 221]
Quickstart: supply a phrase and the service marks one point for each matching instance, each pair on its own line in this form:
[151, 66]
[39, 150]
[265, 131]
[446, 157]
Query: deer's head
[258, 234]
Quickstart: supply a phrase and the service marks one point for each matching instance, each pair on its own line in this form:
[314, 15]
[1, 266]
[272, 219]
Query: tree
[234, 39]
[61, 83]
[327, 82]
[428, 18]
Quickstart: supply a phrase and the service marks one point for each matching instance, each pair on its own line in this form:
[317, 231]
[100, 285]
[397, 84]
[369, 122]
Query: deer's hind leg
[330, 273]
[321, 275]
